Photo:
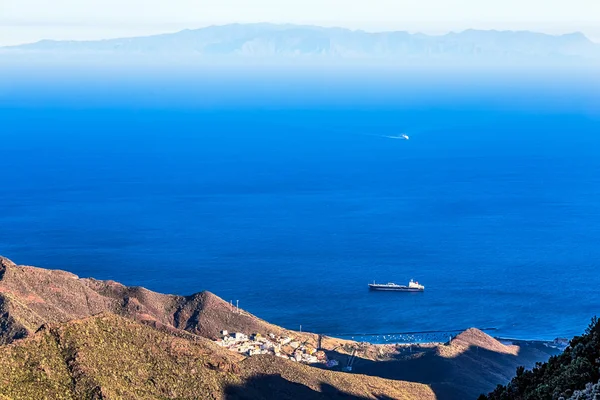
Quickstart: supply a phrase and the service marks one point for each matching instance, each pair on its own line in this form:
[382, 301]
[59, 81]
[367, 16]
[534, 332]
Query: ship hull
[394, 289]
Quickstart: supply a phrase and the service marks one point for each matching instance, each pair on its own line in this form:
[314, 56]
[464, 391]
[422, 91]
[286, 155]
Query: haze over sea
[281, 190]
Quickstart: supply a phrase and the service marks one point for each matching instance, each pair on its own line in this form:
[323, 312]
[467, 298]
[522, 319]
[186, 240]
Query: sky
[23, 21]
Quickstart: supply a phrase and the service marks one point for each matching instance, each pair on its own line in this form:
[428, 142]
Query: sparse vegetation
[30, 297]
[110, 357]
[75, 338]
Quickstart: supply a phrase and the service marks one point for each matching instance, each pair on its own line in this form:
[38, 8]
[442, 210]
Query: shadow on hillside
[268, 387]
[465, 376]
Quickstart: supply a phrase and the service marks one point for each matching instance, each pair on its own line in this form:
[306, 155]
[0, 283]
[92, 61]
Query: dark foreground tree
[576, 369]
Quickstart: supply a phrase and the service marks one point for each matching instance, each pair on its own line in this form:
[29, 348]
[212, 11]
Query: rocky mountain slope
[84, 338]
[30, 297]
[110, 357]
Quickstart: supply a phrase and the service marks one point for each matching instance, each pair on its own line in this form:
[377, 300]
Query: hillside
[571, 375]
[61, 307]
[469, 365]
[30, 297]
[76, 360]
[269, 40]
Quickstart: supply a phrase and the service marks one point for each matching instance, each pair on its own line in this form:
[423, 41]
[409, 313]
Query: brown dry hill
[110, 357]
[30, 297]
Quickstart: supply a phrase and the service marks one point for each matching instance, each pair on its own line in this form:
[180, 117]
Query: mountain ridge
[31, 297]
[288, 40]
[75, 319]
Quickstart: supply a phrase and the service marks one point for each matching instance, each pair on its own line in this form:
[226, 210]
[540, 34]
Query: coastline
[39, 301]
[559, 344]
[440, 337]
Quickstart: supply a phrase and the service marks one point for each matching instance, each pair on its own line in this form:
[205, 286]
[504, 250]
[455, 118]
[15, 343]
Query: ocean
[285, 192]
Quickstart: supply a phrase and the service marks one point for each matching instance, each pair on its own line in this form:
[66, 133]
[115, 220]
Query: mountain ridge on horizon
[290, 40]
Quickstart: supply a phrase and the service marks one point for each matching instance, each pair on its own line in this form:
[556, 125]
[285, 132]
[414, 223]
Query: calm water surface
[291, 205]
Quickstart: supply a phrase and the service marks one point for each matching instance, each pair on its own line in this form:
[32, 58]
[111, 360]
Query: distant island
[271, 41]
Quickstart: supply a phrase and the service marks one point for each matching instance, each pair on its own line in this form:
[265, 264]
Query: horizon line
[283, 24]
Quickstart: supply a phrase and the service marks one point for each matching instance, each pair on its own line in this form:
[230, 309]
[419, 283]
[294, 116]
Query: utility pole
[237, 305]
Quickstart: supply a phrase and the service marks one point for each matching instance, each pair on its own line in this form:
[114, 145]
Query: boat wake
[398, 137]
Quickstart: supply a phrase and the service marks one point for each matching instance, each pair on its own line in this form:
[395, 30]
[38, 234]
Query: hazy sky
[30, 20]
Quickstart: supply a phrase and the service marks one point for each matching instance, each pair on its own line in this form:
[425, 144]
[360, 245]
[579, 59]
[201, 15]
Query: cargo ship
[392, 287]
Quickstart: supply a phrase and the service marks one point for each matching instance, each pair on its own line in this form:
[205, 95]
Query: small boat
[402, 136]
[392, 287]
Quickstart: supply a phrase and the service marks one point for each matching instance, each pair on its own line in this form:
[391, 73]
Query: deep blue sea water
[285, 194]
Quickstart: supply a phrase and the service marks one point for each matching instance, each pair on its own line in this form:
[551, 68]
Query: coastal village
[284, 347]
[341, 356]
[303, 352]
